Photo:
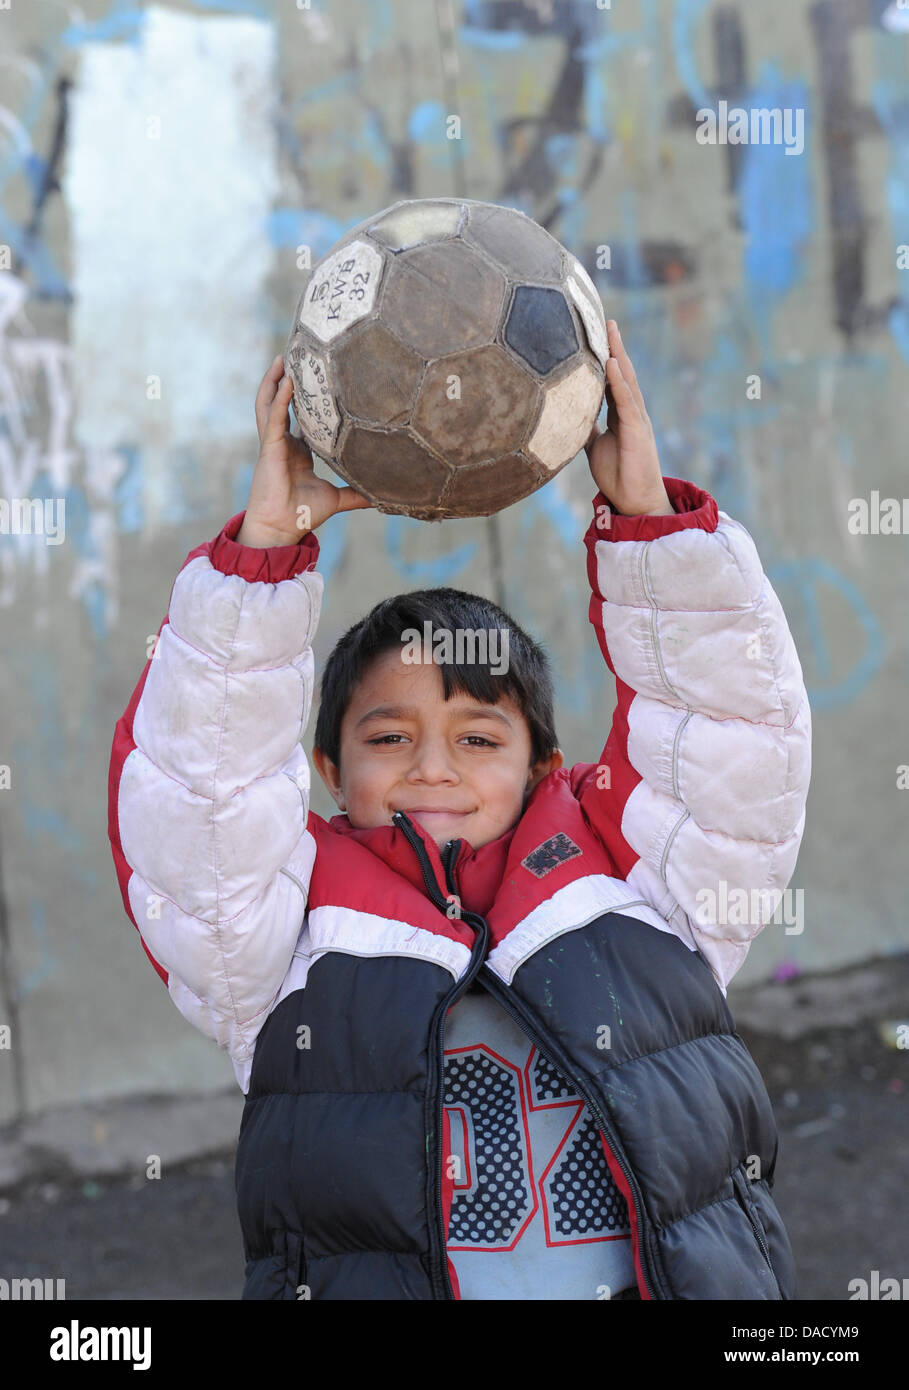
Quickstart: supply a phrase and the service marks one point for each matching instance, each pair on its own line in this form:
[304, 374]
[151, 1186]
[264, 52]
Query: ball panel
[342, 290]
[415, 223]
[394, 471]
[576, 269]
[594, 324]
[489, 416]
[442, 298]
[315, 406]
[569, 412]
[540, 328]
[484, 488]
[377, 376]
[521, 246]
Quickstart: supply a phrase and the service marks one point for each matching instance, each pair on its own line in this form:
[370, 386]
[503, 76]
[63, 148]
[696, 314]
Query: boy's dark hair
[527, 679]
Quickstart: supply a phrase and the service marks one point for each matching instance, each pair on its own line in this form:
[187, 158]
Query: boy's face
[459, 769]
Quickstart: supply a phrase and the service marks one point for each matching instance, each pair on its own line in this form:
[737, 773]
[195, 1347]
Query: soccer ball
[448, 358]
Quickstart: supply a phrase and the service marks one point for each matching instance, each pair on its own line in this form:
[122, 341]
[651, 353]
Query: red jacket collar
[477, 872]
[550, 846]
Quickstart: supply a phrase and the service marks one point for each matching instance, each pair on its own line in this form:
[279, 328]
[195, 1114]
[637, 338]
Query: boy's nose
[432, 763]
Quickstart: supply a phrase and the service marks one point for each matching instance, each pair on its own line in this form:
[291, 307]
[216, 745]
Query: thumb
[349, 499]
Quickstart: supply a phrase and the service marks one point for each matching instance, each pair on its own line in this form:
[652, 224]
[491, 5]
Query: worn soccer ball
[448, 358]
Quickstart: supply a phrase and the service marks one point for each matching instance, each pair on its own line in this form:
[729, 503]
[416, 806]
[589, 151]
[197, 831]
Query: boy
[479, 1017]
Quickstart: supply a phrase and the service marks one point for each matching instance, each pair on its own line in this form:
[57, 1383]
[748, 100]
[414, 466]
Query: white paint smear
[170, 250]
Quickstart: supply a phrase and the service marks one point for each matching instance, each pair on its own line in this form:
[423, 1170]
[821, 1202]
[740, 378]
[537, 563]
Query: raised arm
[700, 790]
[209, 786]
[208, 783]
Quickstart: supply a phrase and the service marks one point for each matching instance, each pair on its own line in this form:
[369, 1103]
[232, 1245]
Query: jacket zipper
[740, 1183]
[434, 1090]
[500, 994]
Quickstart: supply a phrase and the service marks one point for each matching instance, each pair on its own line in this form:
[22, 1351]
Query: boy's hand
[286, 499]
[623, 459]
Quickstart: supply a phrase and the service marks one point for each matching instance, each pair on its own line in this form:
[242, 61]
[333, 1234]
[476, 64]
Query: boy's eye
[384, 738]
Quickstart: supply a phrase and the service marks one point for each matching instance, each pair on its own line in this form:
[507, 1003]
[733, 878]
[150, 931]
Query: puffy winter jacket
[325, 957]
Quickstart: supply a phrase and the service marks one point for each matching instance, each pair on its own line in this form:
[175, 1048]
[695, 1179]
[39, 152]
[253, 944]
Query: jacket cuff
[693, 508]
[269, 564]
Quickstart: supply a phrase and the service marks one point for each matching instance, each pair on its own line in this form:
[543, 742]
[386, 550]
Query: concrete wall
[159, 168]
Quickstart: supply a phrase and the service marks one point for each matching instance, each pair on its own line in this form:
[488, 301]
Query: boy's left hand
[623, 458]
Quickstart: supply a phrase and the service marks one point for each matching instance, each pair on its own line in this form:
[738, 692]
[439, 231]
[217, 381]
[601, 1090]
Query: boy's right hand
[286, 499]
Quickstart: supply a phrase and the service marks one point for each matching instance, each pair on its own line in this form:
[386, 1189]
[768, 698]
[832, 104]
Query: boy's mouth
[432, 815]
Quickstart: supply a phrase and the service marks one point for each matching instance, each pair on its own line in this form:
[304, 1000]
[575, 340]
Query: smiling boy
[458, 768]
[479, 1023]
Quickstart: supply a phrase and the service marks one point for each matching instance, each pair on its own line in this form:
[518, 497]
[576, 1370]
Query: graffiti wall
[735, 180]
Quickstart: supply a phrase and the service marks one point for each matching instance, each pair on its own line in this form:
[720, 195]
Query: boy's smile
[458, 768]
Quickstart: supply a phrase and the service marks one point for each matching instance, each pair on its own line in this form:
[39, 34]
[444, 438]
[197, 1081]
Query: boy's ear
[544, 767]
[329, 773]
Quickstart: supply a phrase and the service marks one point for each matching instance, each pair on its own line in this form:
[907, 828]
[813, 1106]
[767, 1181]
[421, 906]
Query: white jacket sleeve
[209, 785]
[709, 755]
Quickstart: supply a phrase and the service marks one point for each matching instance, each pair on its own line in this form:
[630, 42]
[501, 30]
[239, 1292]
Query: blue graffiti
[595, 102]
[332, 544]
[44, 702]
[438, 570]
[125, 22]
[49, 279]
[426, 120]
[426, 127]
[488, 26]
[805, 578]
[47, 960]
[122, 21]
[507, 41]
[382, 26]
[127, 496]
[685, 21]
[588, 692]
[305, 227]
[550, 506]
[888, 98]
[79, 534]
[42, 820]
[776, 200]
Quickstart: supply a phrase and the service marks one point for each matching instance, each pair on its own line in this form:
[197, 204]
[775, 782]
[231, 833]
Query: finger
[625, 403]
[618, 351]
[266, 392]
[277, 419]
[612, 414]
[349, 499]
[301, 454]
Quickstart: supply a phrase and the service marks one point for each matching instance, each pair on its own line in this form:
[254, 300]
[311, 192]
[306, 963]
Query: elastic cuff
[694, 508]
[269, 564]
